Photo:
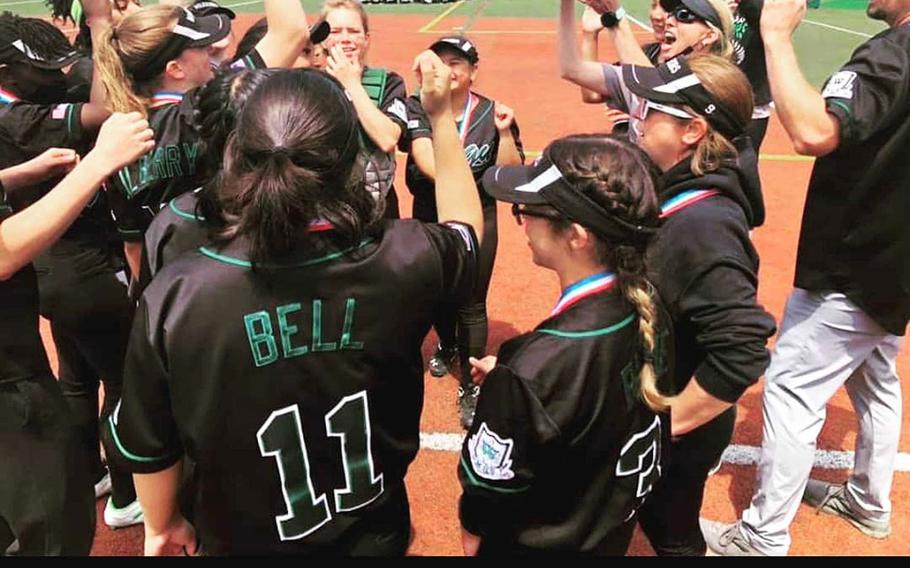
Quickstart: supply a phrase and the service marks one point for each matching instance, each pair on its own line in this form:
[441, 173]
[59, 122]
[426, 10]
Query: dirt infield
[518, 66]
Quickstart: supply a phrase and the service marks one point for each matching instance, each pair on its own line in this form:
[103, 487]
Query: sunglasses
[682, 14]
[647, 106]
[518, 212]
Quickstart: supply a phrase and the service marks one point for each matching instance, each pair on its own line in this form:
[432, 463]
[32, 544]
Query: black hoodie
[706, 270]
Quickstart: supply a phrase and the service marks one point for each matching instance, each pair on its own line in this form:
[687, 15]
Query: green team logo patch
[491, 456]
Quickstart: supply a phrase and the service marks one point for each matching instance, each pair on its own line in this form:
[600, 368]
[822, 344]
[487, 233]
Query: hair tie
[647, 357]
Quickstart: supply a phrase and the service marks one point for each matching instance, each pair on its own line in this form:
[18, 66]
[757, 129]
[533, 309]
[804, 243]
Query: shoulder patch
[491, 456]
[840, 85]
[398, 109]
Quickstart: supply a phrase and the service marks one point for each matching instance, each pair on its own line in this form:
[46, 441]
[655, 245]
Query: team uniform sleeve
[618, 93]
[731, 328]
[130, 217]
[141, 434]
[248, 62]
[505, 447]
[870, 92]
[418, 125]
[393, 103]
[34, 128]
[456, 245]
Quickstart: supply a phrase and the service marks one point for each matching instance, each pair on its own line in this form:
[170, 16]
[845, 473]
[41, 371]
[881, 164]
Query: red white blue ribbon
[163, 98]
[466, 117]
[685, 199]
[7, 97]
[582, 289]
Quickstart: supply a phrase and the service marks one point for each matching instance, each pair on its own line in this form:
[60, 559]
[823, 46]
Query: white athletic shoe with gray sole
[123, 517]
[832, 499]
[103, 487]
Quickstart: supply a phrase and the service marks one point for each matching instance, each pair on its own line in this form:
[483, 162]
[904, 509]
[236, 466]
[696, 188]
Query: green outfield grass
[824, 41]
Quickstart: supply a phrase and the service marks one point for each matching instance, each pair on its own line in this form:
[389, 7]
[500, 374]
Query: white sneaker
[124, 517]
[103, 487]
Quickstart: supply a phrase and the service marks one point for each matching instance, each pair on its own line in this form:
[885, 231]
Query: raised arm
[801, 108]
[287, 35]
[587, 74]
[456, 193]
[98, 19]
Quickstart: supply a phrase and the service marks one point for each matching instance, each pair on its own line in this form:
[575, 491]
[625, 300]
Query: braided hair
[619, 177]
[44, 39]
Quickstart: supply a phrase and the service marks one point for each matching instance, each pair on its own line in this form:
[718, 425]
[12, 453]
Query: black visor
[17, 51]
[189, 32]
[543, 184]
[674, 82]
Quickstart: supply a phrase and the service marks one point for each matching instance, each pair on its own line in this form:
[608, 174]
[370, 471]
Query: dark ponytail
[294, 159]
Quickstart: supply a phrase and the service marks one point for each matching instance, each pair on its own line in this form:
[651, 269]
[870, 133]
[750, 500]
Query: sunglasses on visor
[679, 11]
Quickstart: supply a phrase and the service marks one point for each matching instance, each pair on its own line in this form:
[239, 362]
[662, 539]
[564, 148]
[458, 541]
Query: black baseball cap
[673, 82]
[17, 51]
[544, 184]
[460, 44]
[189, 32]
[701, 8]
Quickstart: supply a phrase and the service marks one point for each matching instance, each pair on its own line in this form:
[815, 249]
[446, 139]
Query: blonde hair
[723, 47]
[729, 86]
[126, 48]
[355, 5]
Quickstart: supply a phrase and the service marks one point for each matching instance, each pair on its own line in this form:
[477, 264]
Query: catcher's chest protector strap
[374, 81]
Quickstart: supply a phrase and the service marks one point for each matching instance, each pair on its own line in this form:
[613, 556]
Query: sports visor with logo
[459, 44]
[189, 32]
[543, 184]
[674, 82]
[17, 51]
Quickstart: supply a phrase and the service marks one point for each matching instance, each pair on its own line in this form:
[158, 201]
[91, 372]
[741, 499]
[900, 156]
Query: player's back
[297, 390]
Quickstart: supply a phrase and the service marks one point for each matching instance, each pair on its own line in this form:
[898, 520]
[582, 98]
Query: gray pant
[825, 341]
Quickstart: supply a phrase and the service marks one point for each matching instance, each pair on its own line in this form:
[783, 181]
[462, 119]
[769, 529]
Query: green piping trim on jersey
[70, 115]
[474, 481]
[476, 121]
[842, 105]
[181, 213]
[126, 453]
[591, 333]
[247, 264]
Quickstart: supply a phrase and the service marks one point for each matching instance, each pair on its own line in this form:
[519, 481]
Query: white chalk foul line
[734, 454]
[645, 26]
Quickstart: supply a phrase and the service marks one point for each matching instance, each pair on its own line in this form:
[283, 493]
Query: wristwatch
[611, 19]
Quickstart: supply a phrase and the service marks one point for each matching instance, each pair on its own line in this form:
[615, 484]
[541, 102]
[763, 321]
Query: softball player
[80, 292]
[290, 372]
[490, 136]
[699, 26]
[46, 501]
[378, 94]
[566, 444]
[150, 62]
[706, 270]
[844, 321]
[188, 219]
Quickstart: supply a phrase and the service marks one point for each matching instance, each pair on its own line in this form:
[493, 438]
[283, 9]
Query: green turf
[821, 49]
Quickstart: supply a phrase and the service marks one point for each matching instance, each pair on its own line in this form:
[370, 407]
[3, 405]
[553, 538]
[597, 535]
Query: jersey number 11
[281, 437]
